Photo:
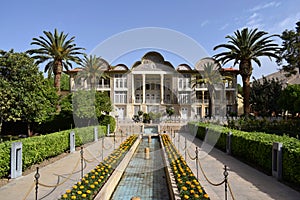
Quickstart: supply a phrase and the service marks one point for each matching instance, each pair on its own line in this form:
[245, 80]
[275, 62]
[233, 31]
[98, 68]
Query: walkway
[57, 173]
[246, 182]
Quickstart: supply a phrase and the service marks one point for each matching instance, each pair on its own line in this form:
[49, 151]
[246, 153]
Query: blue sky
[94, 21]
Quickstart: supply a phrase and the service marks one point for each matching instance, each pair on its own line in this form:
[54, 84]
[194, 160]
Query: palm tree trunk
[57, 75]
[29, 130]
[1, 122]
[246, 94]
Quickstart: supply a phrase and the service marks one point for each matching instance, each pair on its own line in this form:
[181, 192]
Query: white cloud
[288, 23]
[272, 4]
[204, 23]
[224, 26]
[255, 21]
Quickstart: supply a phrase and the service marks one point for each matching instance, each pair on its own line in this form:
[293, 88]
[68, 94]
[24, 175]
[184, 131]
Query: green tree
[290, 51]
[289, 99]
[212, 78]
[243, 48]
[89, 105]
[58, 51]
[264, 96]
[25, 94]
[170, 111]
[93, 69]
[103, 103]
[64, 82]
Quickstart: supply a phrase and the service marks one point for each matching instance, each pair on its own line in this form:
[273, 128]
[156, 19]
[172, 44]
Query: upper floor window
[120, 81]
[184, 81]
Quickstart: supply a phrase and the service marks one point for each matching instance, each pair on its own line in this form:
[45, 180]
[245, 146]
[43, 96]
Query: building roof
[283, 77]
[75, 70]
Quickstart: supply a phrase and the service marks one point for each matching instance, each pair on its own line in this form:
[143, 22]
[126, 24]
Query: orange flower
[205, 196]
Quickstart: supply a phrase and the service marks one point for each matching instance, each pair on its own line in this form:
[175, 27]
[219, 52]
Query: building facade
[153, 84]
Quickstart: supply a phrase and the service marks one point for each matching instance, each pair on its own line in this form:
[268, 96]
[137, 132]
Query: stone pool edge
[113, 181]
[172, 186]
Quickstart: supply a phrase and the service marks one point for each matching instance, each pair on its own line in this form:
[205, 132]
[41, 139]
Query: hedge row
[256, 148]
[37, 149]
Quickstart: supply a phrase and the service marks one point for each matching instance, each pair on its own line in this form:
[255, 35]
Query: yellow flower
[192, 191]
[196, 195]
[93, 177]
[79, 183]
[93, 171]
[96, 183]
[81, 187]
[186, 196]
[75, 187]
[86, 181]
[65, 196]
[205, 196]
[184, 188]
[68, 191]
[88, 191]
[73, 197]
[79, 192]
[92, 186]
[83, 195]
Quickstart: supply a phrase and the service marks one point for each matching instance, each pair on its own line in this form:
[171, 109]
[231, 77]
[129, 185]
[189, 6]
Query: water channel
[143, 177]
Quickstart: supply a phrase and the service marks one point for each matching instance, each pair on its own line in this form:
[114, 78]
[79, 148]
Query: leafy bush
[290, 127]
[37, 149]
[255, 148]
[104, 120]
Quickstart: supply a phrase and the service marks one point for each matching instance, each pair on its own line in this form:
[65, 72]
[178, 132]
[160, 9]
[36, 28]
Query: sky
[93, 22]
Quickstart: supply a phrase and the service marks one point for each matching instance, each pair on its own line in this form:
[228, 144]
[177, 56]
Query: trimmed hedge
[256, 148]
[37, 149]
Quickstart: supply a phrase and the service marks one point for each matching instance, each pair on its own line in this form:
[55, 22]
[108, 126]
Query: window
[120, 81]
[184, 82]
[184, 98]
[199, 111]
[120, 97]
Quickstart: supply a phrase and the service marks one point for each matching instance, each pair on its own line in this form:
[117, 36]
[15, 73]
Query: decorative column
[72, 83]
[161, 89]
[202, 107]
[144, 87]
[132, 88]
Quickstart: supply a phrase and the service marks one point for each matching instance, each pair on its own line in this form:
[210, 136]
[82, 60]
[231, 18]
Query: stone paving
[58, 173]
[144, 178]
[247, 183]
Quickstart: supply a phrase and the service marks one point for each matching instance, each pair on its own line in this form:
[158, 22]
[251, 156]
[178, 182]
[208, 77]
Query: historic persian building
[153, 84]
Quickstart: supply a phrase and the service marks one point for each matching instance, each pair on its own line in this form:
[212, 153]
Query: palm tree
[94, 69]
[58, 51]
[243, 48]
[211, 77]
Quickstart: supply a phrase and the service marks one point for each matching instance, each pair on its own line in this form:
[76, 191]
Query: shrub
[37, 149]
[104, 120]
[255, 148]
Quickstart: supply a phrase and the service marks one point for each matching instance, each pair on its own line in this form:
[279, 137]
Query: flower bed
[187, 183]
[89, 186]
